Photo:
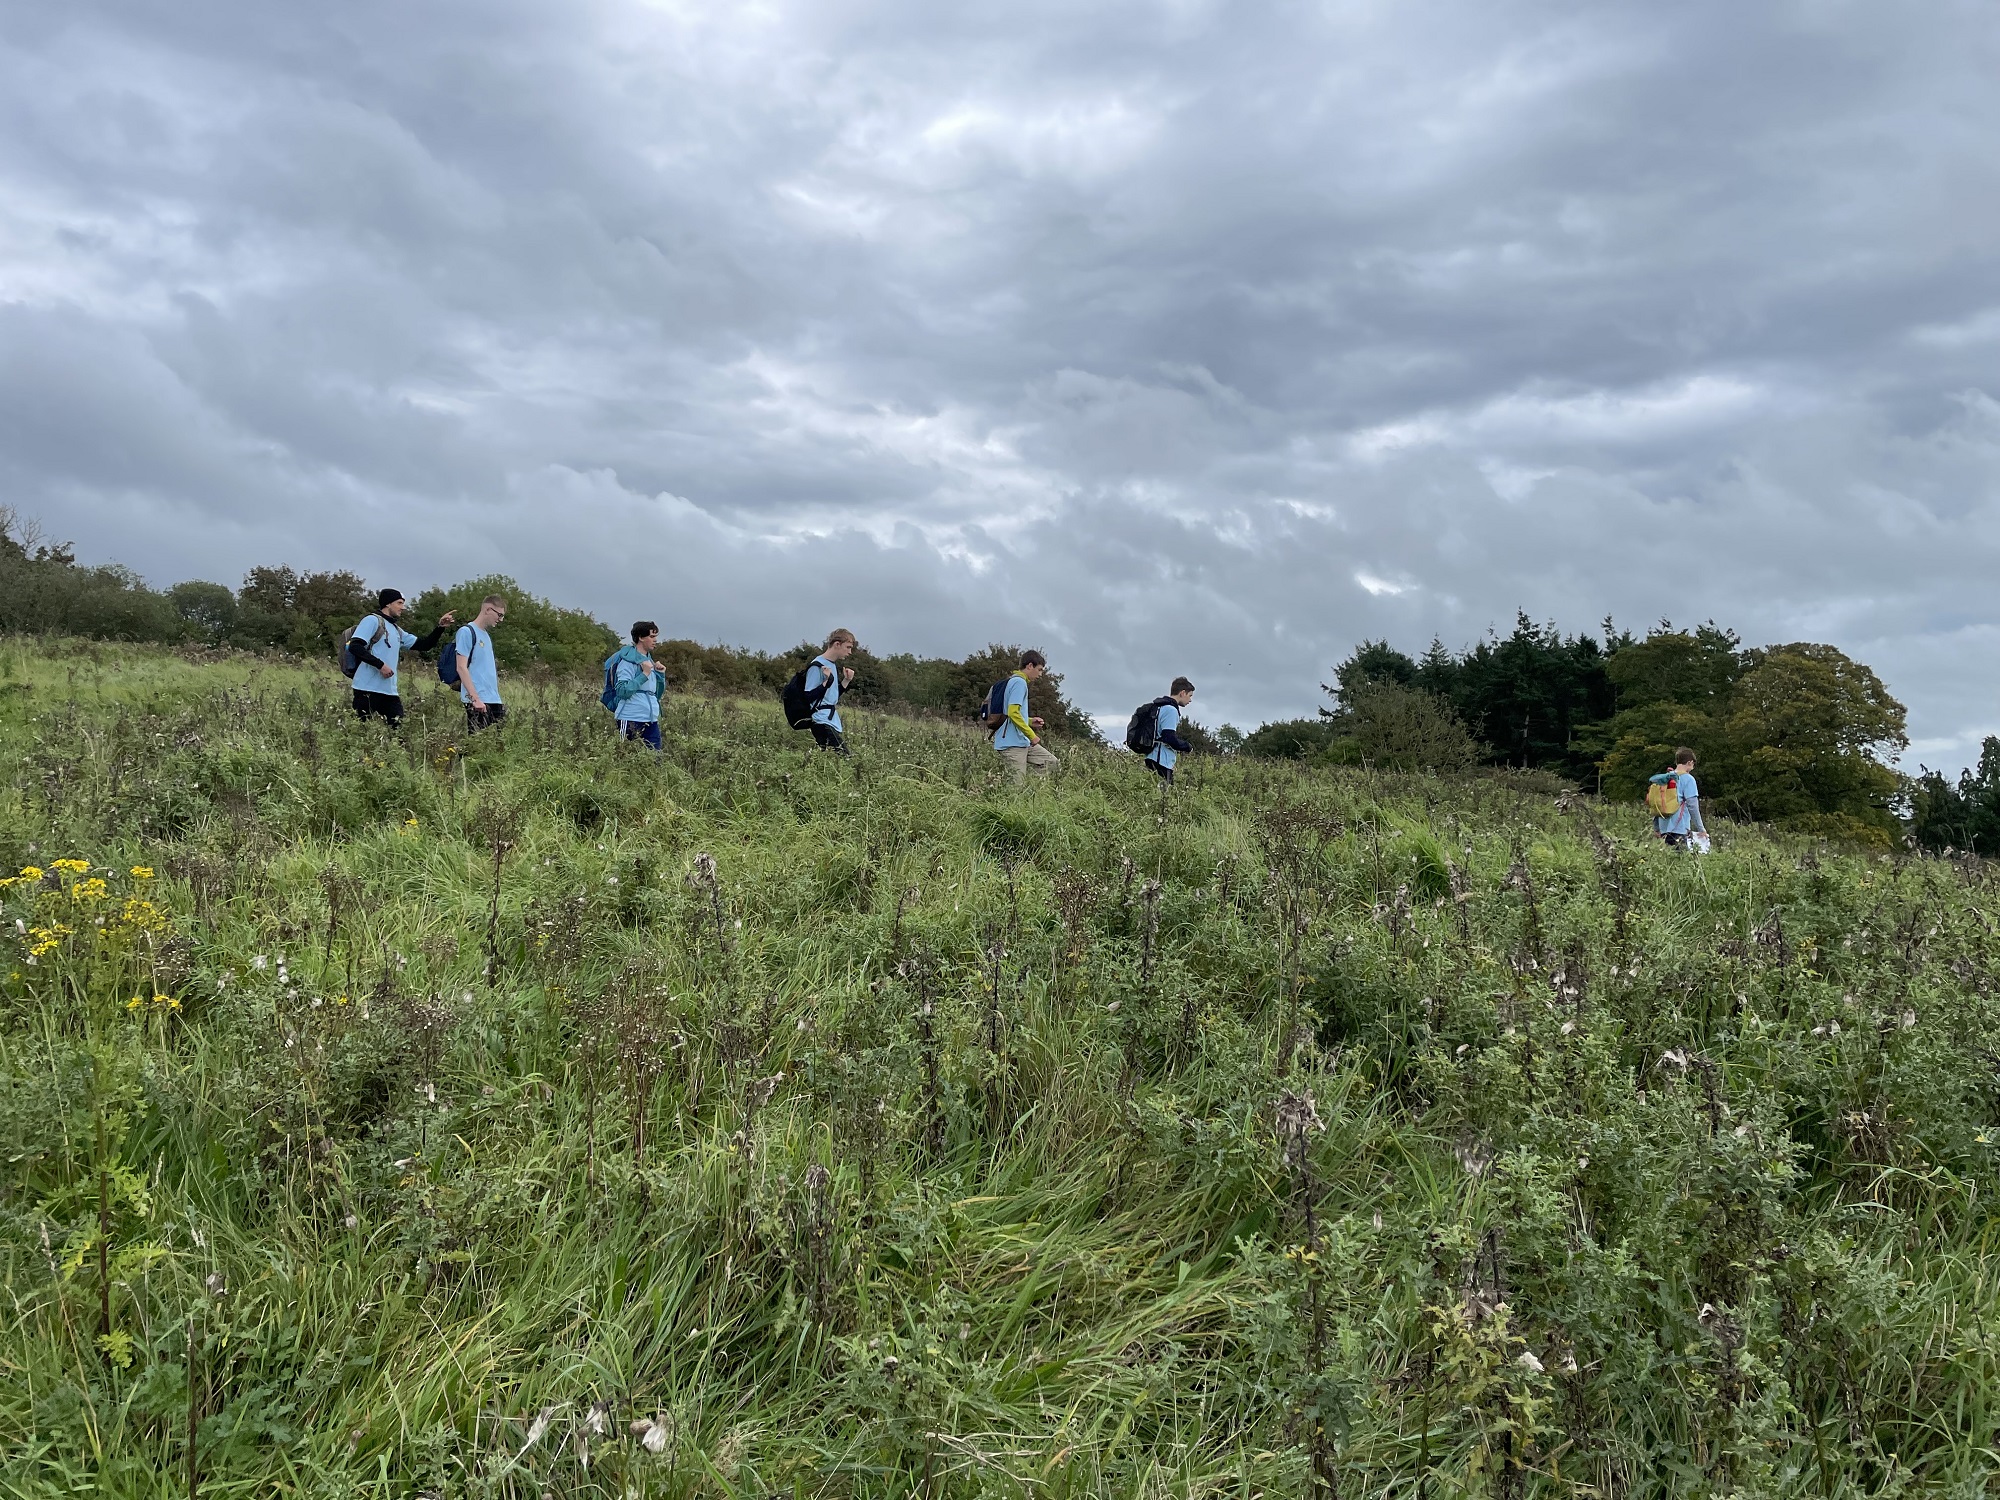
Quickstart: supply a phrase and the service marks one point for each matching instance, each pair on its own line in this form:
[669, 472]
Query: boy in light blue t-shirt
[478, 674]
[1168, 746]
[1679, 830]
[825, 678]
[1018, 739]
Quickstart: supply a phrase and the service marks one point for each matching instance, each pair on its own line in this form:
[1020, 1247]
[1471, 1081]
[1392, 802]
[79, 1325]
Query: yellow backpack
[1663, 795]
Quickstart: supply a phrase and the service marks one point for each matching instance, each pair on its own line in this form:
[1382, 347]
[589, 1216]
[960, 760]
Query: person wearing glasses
[478, 676]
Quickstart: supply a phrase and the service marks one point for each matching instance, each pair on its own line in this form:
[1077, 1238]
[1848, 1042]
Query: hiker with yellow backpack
[1674, 800]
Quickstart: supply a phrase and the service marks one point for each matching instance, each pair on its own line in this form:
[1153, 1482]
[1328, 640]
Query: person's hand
[1036, 722]
[385, 671]
[447, 618]
[846, 676]
[473, 700]
[646, 666]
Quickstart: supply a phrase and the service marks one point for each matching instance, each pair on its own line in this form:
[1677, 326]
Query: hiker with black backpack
[812, 697]
[370, 655]
[1674, 799]
[632, 685]
[1154, 730]
[1016, 734]
[469, 666]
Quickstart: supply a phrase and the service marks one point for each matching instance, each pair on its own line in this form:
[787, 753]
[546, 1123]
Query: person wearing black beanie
[371, 652]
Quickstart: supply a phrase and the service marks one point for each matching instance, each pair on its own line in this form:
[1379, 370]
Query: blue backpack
[995, 712]
[609, 697]
[448, 659]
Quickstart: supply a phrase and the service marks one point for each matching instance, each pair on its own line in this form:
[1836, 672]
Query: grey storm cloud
[1174, 336]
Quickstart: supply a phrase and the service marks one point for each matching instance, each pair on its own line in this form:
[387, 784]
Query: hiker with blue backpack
[371, 653]
[812, 697]
[1674, 799]
[632, 685]
[1154, 730]
[468, 665]
[1016, 733]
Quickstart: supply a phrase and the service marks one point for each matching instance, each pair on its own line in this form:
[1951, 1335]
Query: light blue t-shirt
[477, 645]
[1008, 736]
[1689, 816]
[638, 690]
[828, 712]
[1164, 755]
[394, 641]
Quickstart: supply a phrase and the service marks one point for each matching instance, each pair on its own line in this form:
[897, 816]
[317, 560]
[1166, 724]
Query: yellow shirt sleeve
[1017, 715]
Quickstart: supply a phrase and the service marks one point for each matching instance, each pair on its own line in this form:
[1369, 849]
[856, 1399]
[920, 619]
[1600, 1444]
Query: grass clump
[387, 1115]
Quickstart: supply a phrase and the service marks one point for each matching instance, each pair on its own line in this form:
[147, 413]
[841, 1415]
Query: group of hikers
[633, 682]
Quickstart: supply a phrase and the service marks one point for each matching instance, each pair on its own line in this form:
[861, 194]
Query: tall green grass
[526, 1115]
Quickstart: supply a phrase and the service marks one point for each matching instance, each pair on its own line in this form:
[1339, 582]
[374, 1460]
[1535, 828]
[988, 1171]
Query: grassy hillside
[526, 1115]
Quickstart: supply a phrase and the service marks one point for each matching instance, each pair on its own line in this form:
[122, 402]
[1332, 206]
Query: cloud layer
[1173, 336]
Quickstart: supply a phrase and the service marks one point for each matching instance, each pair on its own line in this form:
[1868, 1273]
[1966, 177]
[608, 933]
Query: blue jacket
[638, 691]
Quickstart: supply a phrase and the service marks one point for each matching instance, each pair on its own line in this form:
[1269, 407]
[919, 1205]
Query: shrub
[1404, 729]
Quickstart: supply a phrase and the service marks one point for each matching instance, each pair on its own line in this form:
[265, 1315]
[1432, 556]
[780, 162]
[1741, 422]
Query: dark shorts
[1674, 840]
[477, 719]
[828, 738]
[641, 730]
[387, 705]
[1165, 773]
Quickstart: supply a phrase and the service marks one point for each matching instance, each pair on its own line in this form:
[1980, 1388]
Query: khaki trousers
[1021, 759]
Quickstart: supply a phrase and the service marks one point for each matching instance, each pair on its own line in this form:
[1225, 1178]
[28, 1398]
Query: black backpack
[801, 705]
[350, 659]
[1142, 730]
[995, 712]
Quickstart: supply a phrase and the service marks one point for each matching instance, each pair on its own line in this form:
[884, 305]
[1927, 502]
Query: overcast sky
[1170, 337]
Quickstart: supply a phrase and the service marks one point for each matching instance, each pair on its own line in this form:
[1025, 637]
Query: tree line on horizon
[1798, 734]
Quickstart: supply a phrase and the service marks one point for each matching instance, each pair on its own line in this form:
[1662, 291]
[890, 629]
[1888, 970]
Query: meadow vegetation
[385, 1115]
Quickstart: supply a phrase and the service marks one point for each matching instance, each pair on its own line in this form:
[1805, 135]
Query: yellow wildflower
[47, 939]
[74, 866]
[135, 1002]
[7, 880]
[142, 914]
[92, 889]
[31, 872]
[142, 872]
